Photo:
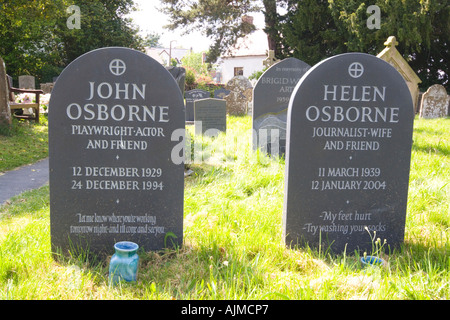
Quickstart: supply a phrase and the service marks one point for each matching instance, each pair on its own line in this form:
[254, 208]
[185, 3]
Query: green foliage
[194, 61]
[152, 40]
[37, 41]
[23, 143]
[316, 30]
[313, 30]
[420, 27]
[220, 21]
[102, 25]
[197, 71]
[257, 74]
[190, 76]
[309, 32]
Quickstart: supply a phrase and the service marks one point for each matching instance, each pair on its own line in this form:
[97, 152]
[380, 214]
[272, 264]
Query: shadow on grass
[437, 149]
[206, 173]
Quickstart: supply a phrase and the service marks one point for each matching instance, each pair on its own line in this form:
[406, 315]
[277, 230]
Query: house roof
[159, 54]
[253, 44]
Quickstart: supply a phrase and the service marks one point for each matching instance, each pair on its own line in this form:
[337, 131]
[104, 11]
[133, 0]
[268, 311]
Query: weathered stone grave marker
[191, 96]
[115, 117]
[349, 138]
[240, 95]
[270, 103]
[434, 102]
[221, 93]
[5, 111]
[210, 116]
[27, 82]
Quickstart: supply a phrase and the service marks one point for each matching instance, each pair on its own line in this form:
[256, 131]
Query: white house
[245, 58]
[163, 55]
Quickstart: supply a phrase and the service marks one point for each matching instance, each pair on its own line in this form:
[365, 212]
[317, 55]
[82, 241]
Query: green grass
[233, 246]
[23, 143]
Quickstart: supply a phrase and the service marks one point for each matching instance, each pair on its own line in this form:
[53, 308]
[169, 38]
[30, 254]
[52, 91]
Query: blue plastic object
[124, 262]
[371, 261]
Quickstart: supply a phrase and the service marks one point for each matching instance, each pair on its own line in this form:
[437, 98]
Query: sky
[150, 20]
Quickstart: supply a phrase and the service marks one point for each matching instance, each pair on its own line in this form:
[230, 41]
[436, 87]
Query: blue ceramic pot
[372, 261]
[124, 263]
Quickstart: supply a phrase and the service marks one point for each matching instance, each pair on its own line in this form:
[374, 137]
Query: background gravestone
[179, 73]
[27, 82]
[240, 95]
[270, 103]
[191, 96]
[210, 116]
[434, 102]
[5, 111]
[112, 173]
[349, 138]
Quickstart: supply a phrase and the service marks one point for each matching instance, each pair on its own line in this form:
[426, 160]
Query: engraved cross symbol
[117, 67]
[355, 70]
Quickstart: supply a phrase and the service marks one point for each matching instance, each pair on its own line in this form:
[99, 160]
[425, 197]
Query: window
[238, 71]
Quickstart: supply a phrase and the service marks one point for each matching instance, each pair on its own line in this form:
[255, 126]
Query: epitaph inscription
[270, 103]
[349, 138]
[210, 116]
[112, 117]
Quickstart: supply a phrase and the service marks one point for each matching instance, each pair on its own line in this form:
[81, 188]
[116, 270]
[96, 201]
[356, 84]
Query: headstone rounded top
[349, 137]
[435, 102]
[121, 65]
[116, 132]
[437, 89]
[273, 89]
[271, 97]
[240, 82]
[353, 70]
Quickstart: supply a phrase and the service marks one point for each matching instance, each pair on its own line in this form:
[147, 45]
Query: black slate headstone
[116, 121]
[349, 138]
[210, 116]
[270, 103]
[191, 96]
[179, 73]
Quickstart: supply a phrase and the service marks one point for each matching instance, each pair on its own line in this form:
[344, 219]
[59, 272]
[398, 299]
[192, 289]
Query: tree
[309, 33]
[421, 28]
[152, 40]
[103, 24]
[218, 20]
[26, 35]
[36, 39]
[313, 30]
[197, 71]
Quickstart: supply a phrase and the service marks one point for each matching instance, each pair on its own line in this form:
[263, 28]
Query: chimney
[247, 19]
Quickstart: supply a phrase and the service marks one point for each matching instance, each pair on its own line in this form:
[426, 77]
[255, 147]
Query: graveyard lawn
[23, 143]
[233, 246]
